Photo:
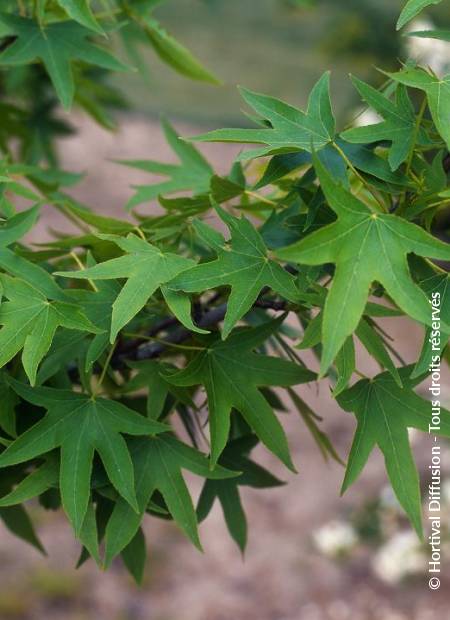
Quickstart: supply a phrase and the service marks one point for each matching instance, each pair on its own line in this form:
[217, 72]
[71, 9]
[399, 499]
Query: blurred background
[311, 555]
[278, 47]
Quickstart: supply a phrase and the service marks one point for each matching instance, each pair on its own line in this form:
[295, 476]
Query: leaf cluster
[173, 340]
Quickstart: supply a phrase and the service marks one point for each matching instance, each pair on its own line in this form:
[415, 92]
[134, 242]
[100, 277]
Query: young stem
[359, 176]
[140, 233]
[409, 161]
[104, 371]
[262, 198]
[22, 8]
[360, 374]
[164, 342]
[82, 267]
[419, 118]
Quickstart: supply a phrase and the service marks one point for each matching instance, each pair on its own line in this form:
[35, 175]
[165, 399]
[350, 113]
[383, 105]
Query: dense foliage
[122, 341]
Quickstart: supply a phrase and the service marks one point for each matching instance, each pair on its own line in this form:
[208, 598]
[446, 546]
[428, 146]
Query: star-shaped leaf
[243, 265]
[290, 129]
[384, 412]
[56, 45]
[146, 268]
[438, 95]
[30, 321]
[193, 173]
[365, 247]
[80, 426]
[158, 463]
[226, 491]
[231, 374]
[398, 126]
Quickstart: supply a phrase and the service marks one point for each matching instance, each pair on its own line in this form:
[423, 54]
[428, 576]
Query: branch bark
[139, 350]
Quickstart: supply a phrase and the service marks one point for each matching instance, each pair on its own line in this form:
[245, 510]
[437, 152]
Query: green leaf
[310, 419]
[15, 227]
[193, 173]
[80, 426]
[362, 157]
[180, 305]
[442, 35]
[40, 9]
[150, 376]
[108, 225]
[93, 530]
[19, 523]
[398, 126]
[413, 8]
[438, 94]
[365, 247]
[345, 366]
[97, 307]
[144, 266]
[291, 129]
[368, 336]
[176, 55]
[243, 265]
[30, 321]
[36, 483]
[210, 237]
[8, 401]
[231, 374]
[224, 189]
[80, 11]
[56, 45]
[374, 345]
[89, 534]
[68, 350]
[233, 512]
[158, 463]
[226, 491]
[31, 273]
[134, 556]
[384, 412]
[434, 285]
[71, 346]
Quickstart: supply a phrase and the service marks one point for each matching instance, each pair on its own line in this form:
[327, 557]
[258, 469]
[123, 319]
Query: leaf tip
[344, 487]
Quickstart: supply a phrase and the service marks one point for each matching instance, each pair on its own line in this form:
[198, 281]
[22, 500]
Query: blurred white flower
[365, 117]
[414, 435]
[400, 557]
[335, 538]
[433, 53]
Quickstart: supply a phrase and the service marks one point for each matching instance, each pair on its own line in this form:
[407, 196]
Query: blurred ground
[283, 577]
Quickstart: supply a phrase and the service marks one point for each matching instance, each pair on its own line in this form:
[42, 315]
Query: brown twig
[140, 349]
